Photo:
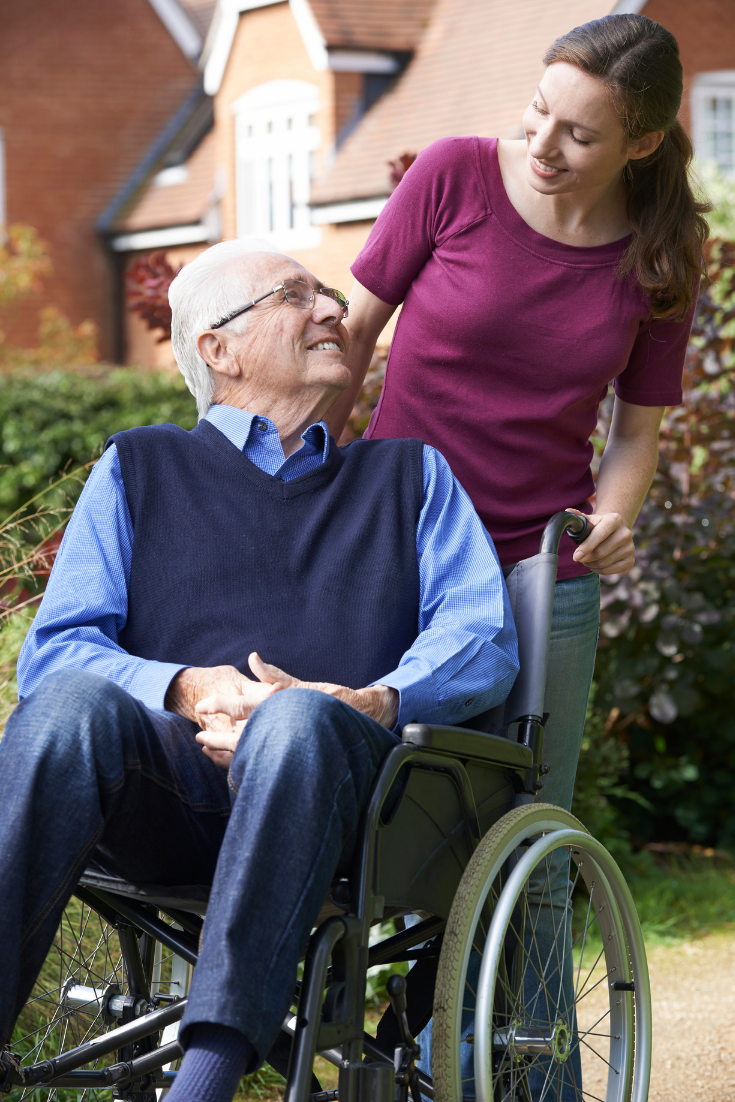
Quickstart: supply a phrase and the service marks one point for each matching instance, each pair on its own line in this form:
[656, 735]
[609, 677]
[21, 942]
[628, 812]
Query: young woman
[532, 274]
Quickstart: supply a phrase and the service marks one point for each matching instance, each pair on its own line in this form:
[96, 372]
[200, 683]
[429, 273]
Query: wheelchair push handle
[576, 526]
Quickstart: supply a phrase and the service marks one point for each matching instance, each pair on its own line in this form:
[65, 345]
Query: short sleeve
[654, 372]
[441, 192]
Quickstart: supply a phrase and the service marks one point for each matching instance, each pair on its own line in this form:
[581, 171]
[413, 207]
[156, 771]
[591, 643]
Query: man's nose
[325, 310]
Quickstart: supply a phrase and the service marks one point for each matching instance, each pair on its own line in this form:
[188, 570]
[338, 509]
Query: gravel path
[693, 992]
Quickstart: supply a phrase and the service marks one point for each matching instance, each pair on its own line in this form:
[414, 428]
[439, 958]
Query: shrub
[666, 662]
[60, 420]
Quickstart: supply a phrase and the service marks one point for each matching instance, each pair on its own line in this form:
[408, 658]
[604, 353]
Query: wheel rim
[73, 1000]
[532, 1026]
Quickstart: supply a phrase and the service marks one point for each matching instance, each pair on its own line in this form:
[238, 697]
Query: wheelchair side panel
[423, 850]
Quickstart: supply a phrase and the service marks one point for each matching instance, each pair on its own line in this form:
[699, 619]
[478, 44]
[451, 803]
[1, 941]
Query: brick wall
[705, 31]
[85, 88]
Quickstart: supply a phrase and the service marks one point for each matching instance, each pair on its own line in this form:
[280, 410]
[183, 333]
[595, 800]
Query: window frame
[718, 84]
[274, 162]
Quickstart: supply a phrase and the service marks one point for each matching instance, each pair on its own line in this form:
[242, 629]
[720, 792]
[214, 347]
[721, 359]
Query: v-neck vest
[318, 574]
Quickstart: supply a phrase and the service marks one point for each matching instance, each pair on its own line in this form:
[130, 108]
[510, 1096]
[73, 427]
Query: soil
[693, 995]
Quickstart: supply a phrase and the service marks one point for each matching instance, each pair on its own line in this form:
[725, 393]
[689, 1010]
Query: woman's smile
[544, 169]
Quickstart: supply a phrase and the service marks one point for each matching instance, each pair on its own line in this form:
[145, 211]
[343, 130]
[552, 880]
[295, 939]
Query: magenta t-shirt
[506, 342]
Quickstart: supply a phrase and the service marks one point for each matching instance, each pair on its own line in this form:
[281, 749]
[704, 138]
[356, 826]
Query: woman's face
[574, 137]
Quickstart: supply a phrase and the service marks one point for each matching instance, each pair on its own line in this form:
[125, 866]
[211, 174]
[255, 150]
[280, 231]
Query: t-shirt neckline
[518, 228]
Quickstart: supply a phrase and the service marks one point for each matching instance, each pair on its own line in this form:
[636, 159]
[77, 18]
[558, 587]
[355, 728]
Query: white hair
[206, 289]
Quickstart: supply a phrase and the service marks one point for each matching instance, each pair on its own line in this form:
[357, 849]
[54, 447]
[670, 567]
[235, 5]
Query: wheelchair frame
[455, 783]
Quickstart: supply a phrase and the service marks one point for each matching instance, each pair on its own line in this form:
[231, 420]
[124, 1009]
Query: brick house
[288, 128]
[86, 89]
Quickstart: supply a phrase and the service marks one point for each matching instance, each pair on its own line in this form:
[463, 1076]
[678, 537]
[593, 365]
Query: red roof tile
[176, 204]
[375, 25]
[474, 73]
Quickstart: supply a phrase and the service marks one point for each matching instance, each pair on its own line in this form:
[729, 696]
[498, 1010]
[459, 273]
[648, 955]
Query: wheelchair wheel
[542, 987]
[85, 989]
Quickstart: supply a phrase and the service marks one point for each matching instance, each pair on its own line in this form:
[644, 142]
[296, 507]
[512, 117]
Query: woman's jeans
[574, 630]
[86, 771]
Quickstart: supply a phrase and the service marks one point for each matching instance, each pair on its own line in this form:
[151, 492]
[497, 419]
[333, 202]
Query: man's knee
[70, 712]
[299, 725]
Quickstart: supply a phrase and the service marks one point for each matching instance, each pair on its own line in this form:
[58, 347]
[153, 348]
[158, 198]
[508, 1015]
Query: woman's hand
[626, 471]
[609, 548]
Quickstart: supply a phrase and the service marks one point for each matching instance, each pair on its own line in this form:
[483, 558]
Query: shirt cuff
[416, 698]
[150, 682]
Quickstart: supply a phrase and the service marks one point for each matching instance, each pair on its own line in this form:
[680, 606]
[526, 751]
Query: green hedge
[60, 420]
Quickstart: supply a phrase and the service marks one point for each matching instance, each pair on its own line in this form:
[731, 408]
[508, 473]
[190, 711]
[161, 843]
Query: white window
[713, 118]
[276, 139]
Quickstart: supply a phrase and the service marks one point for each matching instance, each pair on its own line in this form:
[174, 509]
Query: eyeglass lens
[300, 293]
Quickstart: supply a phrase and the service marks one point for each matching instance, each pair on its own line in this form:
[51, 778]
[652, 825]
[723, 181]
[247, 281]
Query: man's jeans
[574, 630]
[88, 772]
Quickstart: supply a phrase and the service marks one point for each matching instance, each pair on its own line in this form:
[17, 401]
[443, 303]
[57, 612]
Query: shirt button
[468, 702]
[262, 427]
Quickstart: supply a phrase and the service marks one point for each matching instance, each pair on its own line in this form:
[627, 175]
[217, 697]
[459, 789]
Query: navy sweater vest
[319, 574]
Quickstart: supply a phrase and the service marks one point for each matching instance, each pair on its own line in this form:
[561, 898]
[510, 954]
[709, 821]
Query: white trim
[179, 26]
[362, 61]
[314, 40]
[628, 7]
[217, 49]
[357, 210]
[164, 238]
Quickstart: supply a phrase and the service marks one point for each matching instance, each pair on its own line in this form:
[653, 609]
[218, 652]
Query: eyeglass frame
[282, 287]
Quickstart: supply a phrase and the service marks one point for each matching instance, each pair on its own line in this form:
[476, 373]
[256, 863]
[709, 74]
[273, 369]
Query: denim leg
[574, 632]
[299, 780]
[87, 771]
[571, 661]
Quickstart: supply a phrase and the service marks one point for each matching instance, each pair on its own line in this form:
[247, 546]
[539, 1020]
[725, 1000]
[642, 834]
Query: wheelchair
[466, 850]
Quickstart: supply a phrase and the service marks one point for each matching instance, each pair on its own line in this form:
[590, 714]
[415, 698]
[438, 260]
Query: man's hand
[380, 702]
[192, 685]
[609, 548]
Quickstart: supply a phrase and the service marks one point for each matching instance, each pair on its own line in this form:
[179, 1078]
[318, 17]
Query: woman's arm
[368, 318]
[626, 473]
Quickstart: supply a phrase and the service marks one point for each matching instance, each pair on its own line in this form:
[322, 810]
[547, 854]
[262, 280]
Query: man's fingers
[236, 707]
[221, 758]
[271, 675]
[218, 740]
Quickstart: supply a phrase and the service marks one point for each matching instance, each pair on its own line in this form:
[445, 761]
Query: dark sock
[216, 1059]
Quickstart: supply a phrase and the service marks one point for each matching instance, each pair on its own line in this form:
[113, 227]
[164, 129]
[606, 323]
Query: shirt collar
[238, 425]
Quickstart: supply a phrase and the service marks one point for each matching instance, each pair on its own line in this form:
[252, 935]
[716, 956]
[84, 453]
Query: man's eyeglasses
[297, 292]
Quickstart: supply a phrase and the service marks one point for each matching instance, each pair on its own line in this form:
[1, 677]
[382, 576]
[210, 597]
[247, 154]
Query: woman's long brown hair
[639, 62]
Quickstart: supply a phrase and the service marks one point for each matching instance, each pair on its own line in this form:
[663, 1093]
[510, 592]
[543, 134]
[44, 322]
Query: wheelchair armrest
[462, 743]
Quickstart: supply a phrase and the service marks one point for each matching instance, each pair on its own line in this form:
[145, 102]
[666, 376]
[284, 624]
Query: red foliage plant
[400, 167]
[148, 280]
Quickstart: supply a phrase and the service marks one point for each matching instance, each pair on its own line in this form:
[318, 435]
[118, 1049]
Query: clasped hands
[221, 700]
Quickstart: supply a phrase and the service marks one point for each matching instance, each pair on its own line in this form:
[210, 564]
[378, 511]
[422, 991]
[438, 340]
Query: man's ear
[214, 349]
[646, 145]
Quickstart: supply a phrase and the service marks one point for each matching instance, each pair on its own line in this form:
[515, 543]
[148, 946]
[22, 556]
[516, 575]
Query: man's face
[286, 349]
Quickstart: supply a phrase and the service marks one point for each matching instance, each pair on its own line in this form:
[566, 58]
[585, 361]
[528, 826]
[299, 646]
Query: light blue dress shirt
[463, 661]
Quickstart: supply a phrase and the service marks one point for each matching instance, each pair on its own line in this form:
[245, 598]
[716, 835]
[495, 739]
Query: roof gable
[388, 25]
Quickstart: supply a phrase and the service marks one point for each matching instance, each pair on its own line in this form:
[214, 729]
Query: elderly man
[202, 574]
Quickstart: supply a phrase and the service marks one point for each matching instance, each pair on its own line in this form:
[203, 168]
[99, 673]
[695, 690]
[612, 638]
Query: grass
[12, 633]
[687, 896]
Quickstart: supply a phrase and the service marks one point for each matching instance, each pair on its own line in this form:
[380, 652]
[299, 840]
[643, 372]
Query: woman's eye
[579, 140]
[536, 107]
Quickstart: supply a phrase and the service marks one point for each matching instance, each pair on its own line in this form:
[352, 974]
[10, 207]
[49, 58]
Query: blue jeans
[87, 771]
[574, 630]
